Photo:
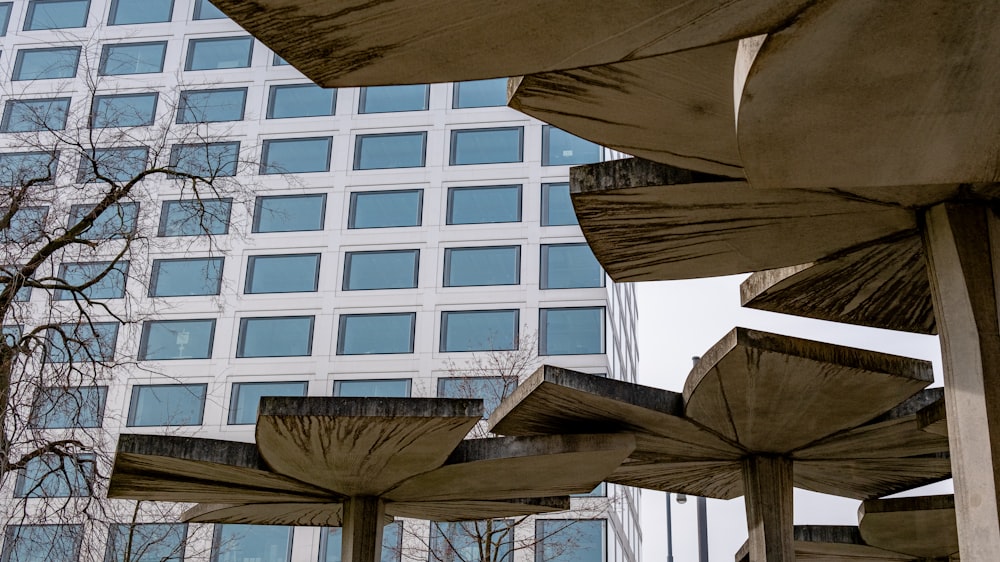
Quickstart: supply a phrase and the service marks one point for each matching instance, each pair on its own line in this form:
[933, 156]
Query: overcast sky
[682, 319]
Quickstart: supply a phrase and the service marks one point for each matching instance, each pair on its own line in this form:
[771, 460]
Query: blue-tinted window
[569, 266]
[108, 280]
[25, 225]
[301, 100]
[278, 61]
[480, 93]
[391, 269]
[149, 542]
[392, 543]
[78, 406]
[56, 14]
[493, 265]
[195, 217]
[10, 273]
[35, 115]
[246, 397]
[282, 274]
[5, 9]
[167, 404]
[282, 156]
[218, 53]
[41, 543]
[123, 110]
[289, 213]
[373, 388]
[10, 334]
[132, 58]
[209, 106]
[385, 209]
[79, 343]
[363, 334]
[252, 543]
[557, 207]
[164, 340]
[125, 12]
[186, 277]
[571, 331]
[119, 165]
[487, 146]
[485, 204]
[42, 64]
[491, 390]
[205, 10]
[389, 99]
[391, 150]
[116, 221]
[55, 476]
[560, 148]
[23, 168]
[209, 160]
[479, 330]
[570, 540]
[279, 336]
[464, 540]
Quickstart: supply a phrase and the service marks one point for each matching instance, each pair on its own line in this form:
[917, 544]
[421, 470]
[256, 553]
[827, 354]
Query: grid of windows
[390, 269]
[479, 330]
[386, 209]
[132, 58]
[167, 404]
[210, 106]
[367, 334]
[165, 340]
[123, 110]
[35, 115]
[186, 277]
[246, 397]
[282, 274]
[195, 217]
[373, 388]
[289, 213]
[277, 336]
[484, 204]
[67, 407]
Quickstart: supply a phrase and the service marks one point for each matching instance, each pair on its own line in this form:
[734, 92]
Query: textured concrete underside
[922, 527]
[834, 543]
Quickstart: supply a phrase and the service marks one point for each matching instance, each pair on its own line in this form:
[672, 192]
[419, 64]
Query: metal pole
[702, 530]
[670, 533]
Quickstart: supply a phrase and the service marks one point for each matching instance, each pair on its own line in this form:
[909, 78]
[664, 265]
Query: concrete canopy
[922, 527]
[832, 543]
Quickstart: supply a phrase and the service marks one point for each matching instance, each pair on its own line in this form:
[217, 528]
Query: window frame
[258, 208]
[235, 397]
[448, 252]
[242, 335]
[268, 169]
[271, 100]
[19, 64]
[113, 11]
[359, 149]
[40, 396]
[545, 219]
[450, 210]
[252, 262]
[111, 555]
[165, 221]
[157, 264]
[217, 539]
[83, 463]
[197, 16]
[75, 534]
[147, 327]
[132, 215]
[544, 253]
[546, 148]
[137, 390]
[363, 99]
[70, 354]
[102, 67]
[10, 104]
[98, 153]
[94, 113]
[407, 382]
[342, 322]
[539, 554]
[508, 385]
[443, 340]
[189, 55]
[30, 14]
[456, 94]
[6, 9]
[111, 269]
[396, 550]
[543, 350]
[182, 104]
[455, 134]
[349, 260]
[352, 208]
[222, 172]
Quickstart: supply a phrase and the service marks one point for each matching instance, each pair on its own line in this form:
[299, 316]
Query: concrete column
[962, 244]
[364, 519]
[767, 482]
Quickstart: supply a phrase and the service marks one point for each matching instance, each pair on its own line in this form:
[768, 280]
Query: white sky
[682, 319]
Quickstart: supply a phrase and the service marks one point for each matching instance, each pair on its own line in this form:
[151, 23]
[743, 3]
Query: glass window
[218, 53]
[56, 14]
[41, 543]
[479, 330]
[25, 225]
[391, 269]
[487, 146]
[301, 100]
[390, 99]
[5, 9]
[55, 476]
[35, 115]
[79, 406]
[278, 336]
[289, 213]
[42, 64]
[464, 541]
[480, 93]
[391, 150]
[246, 397]
[186, 277]
[369, 388]
[569, 540]
[364, 334]
[571, 331]
[560, 148]
[491, 390]
[195, 217]
[252, 543]
[205, 10]
[385, 209]
[209, 106]
[213, 159]
[132, 58]
[117, 221]
[485, 204]
[164, 340]
[278, 61]
[125, 12]
[10, 334]
[282, 274]
[108, 280]
[557, 207]
[22, 294]
[282, 156]
[569, 266]
[150, 542]
[78, 343]
[493, 265]
[22, 168]
[123, 110]
[167, 404]
[120, 165]
[392, 543]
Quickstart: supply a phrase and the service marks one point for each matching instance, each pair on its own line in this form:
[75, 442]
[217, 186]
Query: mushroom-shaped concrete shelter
[357, 462]
[760, 414]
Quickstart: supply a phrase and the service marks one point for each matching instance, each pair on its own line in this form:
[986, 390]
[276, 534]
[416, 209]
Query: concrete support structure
[767, 486]
[364, 519]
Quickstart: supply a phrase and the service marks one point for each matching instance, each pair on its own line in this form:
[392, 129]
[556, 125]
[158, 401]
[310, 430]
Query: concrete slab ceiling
[832, 543]
[923, 527]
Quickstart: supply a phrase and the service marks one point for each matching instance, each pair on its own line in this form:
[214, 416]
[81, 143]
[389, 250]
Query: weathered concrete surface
[357, 43]
[832, 543]
[933, 418]
[882, 285]
[767, 484]
[922, 527]
[674, 109]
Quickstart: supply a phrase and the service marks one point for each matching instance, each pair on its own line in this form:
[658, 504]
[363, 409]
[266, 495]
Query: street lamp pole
[670, 533]
[702, 529]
